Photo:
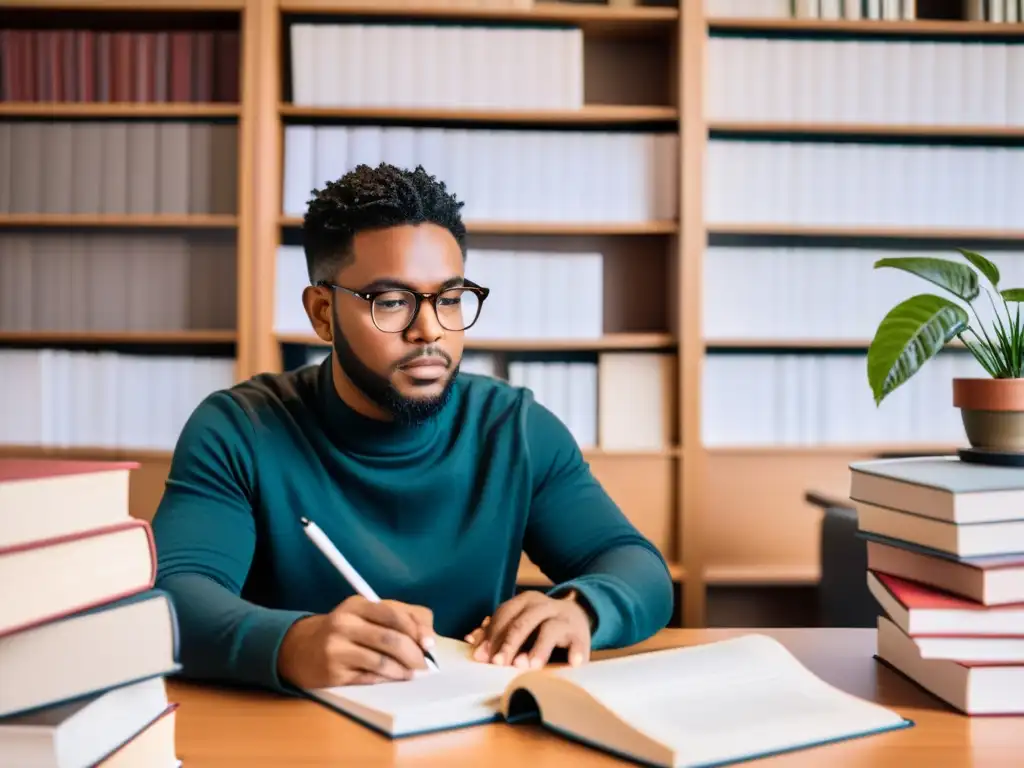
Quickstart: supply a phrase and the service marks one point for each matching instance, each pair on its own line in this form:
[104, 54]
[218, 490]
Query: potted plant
[914, 331]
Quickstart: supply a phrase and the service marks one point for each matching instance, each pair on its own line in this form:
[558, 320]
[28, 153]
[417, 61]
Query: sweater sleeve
[205, 537]
[581, 540]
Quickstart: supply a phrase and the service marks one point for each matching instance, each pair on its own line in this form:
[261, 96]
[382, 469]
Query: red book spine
[181, 67]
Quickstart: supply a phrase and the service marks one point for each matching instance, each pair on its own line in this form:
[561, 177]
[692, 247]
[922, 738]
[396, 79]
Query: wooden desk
[219, 729]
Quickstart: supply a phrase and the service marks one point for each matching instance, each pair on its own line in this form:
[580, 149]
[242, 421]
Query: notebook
[721, 702]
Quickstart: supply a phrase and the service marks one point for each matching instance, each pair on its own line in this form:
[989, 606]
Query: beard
[405, 410]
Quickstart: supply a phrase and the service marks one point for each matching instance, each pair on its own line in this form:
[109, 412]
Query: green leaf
[1013, 294]
[988, 269]
[959, 279]
[912, 333]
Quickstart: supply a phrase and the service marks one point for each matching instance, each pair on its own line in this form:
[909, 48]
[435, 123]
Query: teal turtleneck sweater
[436, 515]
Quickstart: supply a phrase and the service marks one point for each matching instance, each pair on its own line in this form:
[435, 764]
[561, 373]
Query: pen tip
[304, 520]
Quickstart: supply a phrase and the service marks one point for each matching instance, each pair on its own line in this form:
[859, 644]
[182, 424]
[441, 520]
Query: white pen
[326, 546]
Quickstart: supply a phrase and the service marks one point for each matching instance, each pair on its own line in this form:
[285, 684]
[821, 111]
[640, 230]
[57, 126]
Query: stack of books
[85, 639]
[945, 561]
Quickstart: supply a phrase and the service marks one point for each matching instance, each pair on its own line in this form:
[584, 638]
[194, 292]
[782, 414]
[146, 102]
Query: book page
[727, 700]
[459, 679]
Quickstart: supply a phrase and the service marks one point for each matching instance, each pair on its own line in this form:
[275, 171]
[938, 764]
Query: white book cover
[306, 44]
[302, 145]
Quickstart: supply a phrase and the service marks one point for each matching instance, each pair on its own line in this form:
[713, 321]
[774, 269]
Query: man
[430, 483]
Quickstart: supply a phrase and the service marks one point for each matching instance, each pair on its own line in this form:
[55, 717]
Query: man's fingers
[507, 644]
[366, 660]
[579, 650]
[421, 615]
[367, 678]
[386, 641]
[505, 613]
[477, 634]
[387, 614]
[553, 633]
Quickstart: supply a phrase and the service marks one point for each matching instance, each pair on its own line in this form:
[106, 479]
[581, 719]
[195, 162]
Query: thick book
[89, 652]
[940, 487]
[72, 573]
[945, 626]
[993, 580]
[48, 498]
[721, 702]
[963, 541]
[84, 731]
[974, 688]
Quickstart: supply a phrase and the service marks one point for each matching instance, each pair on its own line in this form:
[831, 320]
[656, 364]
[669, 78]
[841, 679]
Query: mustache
[425, 353]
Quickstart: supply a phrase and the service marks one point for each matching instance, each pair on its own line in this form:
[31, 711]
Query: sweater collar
[360, 434]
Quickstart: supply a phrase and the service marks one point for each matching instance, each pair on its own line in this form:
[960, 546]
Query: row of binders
[130, 282]
[765, 398]
[428, 65]
[118, 167]
[119, 65]
[869, 80]
[998, 11]
[945, 564]
[501, 174]
[847, 184]
[804, 306]
[58, 398]
[86, 641]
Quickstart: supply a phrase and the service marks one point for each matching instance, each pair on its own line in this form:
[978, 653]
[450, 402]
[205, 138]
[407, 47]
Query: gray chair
[843, 596]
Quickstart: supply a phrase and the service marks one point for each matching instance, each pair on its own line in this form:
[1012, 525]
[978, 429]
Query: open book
[715, 703]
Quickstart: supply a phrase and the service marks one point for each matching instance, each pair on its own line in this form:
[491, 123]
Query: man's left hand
[558, 622]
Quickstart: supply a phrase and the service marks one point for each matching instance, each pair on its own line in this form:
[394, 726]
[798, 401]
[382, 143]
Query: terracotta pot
[992, 411]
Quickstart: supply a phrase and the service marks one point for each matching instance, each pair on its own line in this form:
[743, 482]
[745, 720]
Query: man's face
[406, 375]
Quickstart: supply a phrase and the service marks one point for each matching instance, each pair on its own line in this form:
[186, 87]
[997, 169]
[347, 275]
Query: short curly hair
[368, 198]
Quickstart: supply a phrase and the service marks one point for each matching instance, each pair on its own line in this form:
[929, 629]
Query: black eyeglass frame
[370, 296]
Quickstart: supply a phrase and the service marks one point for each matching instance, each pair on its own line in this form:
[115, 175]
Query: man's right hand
[359, 642]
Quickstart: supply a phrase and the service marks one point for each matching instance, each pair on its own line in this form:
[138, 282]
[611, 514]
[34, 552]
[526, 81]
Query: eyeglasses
[396, 309]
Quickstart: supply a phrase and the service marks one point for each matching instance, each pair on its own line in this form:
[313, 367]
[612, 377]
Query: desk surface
[226, 729]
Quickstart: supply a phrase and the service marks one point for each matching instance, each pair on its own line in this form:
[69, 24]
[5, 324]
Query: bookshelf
[858, 138]
[691, 146]
[124, 225]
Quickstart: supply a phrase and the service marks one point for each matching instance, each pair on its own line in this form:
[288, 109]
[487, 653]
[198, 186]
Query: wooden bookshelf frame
[703, 496]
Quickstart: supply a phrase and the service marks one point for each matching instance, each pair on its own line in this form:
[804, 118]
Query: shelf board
[864, 231]
[922, 27]
[607, 342]
[127, 220]
[119, 337]
[552, 227]
[132, 110]
[128, 5]
[624, 114]
[592, 18]
[906, 130]
[797, 344]
[768, 575]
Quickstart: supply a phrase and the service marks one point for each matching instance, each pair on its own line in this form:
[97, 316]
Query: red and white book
[945, 626]
[974, 688]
